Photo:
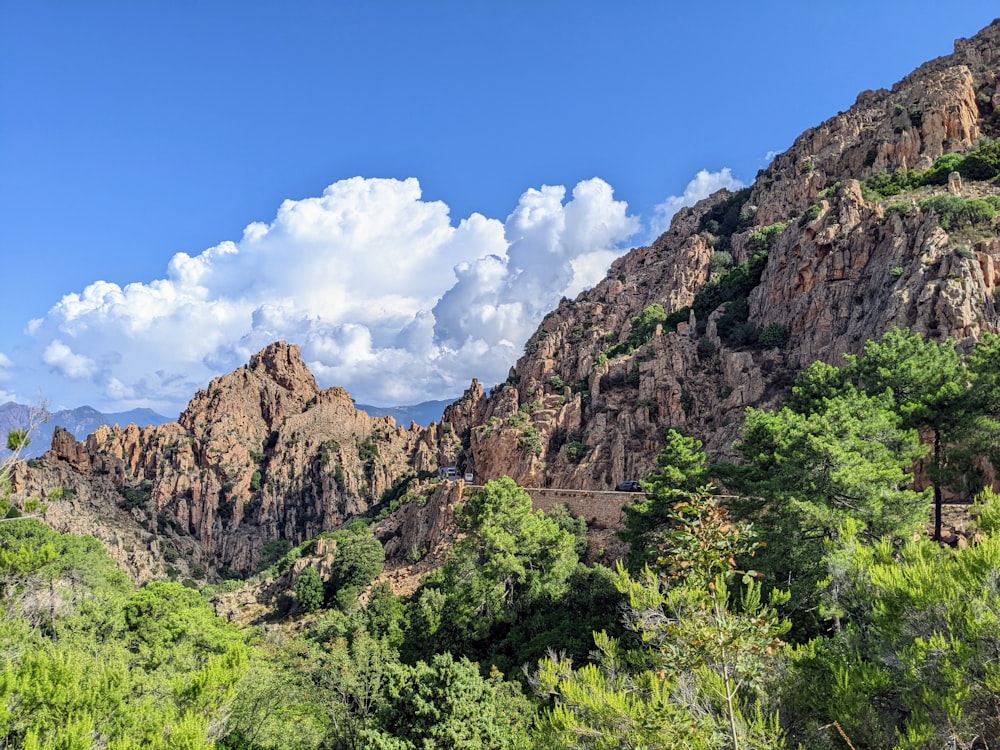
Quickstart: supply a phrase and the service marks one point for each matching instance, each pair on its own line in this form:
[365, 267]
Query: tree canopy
[801, 606]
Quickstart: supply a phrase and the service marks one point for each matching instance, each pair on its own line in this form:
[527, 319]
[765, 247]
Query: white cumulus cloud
[387, 297]
[67, 362]
[554, 250]
[703, 185]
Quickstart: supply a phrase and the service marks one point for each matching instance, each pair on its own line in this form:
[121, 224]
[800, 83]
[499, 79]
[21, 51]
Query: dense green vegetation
[89, 661]
[697, 667]
[727, 218]
[805, 606]
[642, 328]
[728, 288]
[731, 288]
[981, 164]
[513, 588]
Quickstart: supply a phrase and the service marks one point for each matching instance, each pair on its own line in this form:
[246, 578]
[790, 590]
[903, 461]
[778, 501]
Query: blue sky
[402, 188]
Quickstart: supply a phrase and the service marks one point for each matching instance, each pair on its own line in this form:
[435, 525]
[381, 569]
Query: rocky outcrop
[264, 599]
[418, 536]
[844, 268]
[263, 453]
[942, 107]
[91, 504]
[853, 272]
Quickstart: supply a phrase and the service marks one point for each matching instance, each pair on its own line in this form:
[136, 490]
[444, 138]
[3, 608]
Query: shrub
[986, 511]
[721, 260]
[531, 441]
[775, 334]
[644, 324]
[902, 208]
[309, 590]
[643, 327]
[763, 240]
[944, 166]
[676, 318]
[979, 212]
[885, 184]
[955, 212]
[734, 284]
[811, 214]
[983, 163]
[394, 495]
[416, 554]
[727, 217]
[743, 333]
[273, 551]
[575, 451]
[368, 451]
[829, 191]
[733, 325]
[359, 559]
[136, 497]
[517, 419]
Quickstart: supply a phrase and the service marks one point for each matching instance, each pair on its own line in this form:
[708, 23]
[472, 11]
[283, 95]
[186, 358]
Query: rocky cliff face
[843, 267]
[263, 453]
[91, 503]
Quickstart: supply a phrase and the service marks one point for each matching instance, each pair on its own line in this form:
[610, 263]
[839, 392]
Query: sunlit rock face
[847, 267]
[263, 453]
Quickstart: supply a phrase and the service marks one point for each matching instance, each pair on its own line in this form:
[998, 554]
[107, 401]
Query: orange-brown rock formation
[263, 453]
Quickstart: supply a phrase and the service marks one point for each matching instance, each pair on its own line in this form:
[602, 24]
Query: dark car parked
[630, 485]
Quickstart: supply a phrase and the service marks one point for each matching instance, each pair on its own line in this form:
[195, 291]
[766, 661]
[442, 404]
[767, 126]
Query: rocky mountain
[588, 402]
[261, 454]
[859, 227]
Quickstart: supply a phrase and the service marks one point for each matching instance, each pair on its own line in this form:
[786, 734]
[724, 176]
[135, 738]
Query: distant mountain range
[423, 414]
[80, 421]
[83, 420]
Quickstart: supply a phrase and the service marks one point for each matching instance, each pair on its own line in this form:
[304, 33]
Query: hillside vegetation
[805, 606]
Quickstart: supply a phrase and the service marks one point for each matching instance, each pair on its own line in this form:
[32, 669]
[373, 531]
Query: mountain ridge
[672, 338]
[80, 421]
[423, 413]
